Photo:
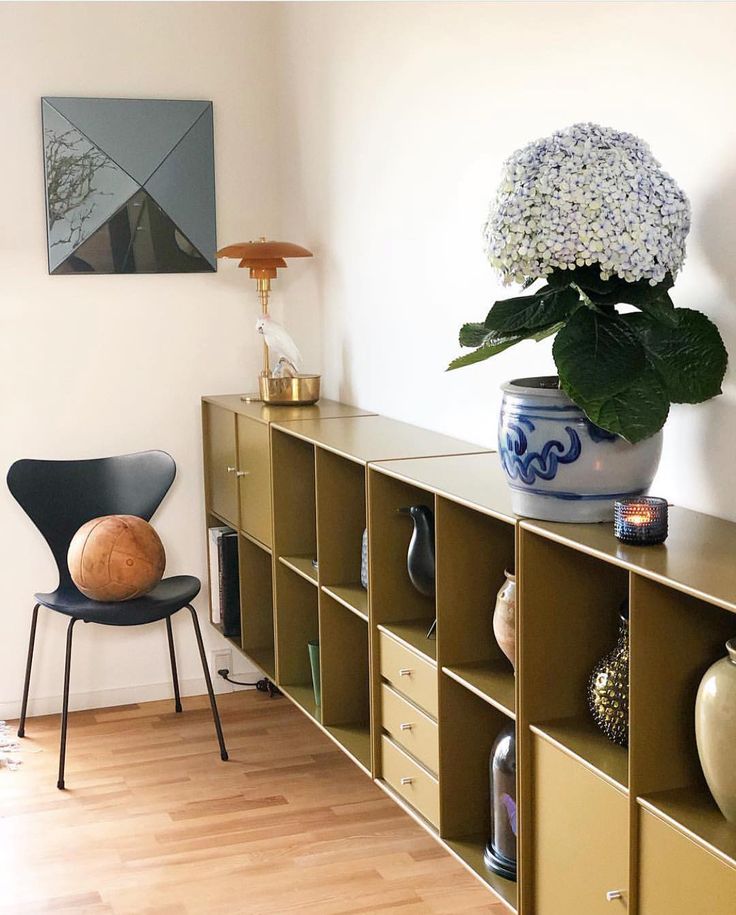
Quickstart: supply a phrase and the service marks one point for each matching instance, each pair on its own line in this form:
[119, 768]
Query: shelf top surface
[475, 480]
[367, 438]
[323, 409]
[697, 557]
[693, 811]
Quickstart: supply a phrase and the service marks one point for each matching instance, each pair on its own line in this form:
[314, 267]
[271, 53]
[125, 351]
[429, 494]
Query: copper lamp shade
[264, 258]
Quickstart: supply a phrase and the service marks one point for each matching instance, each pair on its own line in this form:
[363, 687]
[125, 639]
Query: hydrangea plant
[590, 213]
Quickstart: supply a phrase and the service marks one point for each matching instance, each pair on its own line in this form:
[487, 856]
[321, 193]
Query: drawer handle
[405, 672]
[231, 469]
[242, 473]
[406, 727]
[407, 781]
[614, 894]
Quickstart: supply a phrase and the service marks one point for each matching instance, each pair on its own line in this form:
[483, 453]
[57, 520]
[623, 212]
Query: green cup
[314, 662]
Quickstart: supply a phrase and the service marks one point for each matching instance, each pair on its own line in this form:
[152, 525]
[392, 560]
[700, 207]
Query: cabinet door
[581, 838]
[221, 460]
[254, 479]
[678, 877]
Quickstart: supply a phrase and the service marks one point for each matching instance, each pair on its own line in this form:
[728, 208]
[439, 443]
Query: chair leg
[65, 706]
[208, 681]
[29, 664]
[174, 674]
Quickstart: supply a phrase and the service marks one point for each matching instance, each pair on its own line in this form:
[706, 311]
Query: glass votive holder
[641, 520]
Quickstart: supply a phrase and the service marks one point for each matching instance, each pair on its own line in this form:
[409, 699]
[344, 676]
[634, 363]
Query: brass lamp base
[298, 390]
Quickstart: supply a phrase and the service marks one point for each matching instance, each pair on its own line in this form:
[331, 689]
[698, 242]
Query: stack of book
[225, 580]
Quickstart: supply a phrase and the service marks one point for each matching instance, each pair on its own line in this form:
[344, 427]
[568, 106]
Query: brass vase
[608, 687]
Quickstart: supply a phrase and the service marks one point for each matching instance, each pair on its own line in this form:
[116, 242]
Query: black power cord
[263, 686]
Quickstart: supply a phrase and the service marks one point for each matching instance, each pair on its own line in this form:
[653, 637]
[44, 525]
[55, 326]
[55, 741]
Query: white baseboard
[124, 695]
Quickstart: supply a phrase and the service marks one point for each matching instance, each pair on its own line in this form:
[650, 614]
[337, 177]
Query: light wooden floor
[153, 822]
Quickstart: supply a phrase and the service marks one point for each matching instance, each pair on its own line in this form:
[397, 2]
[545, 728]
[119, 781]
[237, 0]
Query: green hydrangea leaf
[635, 413]
[532, 312]
[546, 332]
[485, 352]
[689, 354]
[661, 309]
[615, 290]
[597, 355]
[474, 334]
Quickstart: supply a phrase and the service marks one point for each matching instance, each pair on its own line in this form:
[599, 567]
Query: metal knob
[405, 672]
[407, 781]
[406, 727]
[242, 473]
[231, 469]
[614, 894]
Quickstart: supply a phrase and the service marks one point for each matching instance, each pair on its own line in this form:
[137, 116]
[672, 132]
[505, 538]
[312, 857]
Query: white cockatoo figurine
[280, 344]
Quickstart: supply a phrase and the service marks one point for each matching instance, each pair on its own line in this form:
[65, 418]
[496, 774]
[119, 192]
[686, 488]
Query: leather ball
[116, 557]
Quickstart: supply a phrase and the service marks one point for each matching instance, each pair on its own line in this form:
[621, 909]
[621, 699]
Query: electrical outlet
[220, 658]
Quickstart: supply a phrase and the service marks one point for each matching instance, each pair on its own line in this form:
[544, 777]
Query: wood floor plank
[153, 823]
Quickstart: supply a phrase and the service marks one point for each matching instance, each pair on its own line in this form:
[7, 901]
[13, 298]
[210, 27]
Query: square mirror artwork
[130, 185]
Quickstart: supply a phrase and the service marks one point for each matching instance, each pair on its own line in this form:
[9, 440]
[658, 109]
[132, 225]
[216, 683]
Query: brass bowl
[295, 391]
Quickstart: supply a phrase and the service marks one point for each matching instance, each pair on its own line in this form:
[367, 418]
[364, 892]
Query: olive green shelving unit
[319, 515]
[420, 715]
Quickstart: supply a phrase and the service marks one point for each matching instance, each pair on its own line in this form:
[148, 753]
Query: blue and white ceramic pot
[559, 465]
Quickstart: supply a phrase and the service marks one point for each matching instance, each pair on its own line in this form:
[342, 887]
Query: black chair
[59, 496]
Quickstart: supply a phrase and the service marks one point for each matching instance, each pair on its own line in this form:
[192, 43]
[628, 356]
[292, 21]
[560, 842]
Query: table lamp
[263, 258]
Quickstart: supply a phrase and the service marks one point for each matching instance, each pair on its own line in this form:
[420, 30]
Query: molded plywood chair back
[59, 496]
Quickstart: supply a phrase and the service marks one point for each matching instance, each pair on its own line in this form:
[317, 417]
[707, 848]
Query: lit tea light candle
[642, 520]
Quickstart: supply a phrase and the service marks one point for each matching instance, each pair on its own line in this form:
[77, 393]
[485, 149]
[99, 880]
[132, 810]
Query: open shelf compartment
[675, 639]
[297, 623]
[468, 728]
[395, 602]
[345, 679]
[215, 521]
[341, 521]
[256, 605]
[294, 510]
[568, 620]
[473, 552]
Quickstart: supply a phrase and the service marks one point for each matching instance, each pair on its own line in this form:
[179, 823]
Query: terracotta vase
[715, 730]
[504, 618]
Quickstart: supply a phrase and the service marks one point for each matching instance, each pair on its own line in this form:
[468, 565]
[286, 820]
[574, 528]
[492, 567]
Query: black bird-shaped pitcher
[420, 557]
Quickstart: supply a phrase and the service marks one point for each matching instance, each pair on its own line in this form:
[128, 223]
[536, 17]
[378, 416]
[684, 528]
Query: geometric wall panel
[130, 185]
[193, 212]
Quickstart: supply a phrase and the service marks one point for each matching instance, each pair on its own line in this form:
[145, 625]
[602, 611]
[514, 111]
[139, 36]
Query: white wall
[95, 365]
[374, 134]
[395, 120]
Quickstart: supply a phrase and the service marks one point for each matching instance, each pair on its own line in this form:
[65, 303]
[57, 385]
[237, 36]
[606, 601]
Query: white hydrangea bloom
[587, 195]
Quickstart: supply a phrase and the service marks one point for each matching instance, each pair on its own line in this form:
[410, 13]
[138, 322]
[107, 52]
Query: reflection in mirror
[138, 238]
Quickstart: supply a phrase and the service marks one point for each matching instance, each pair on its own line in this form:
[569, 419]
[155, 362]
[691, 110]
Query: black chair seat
[167, 597]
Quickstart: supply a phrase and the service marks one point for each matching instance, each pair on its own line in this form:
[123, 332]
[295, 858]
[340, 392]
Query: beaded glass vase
[608, 687]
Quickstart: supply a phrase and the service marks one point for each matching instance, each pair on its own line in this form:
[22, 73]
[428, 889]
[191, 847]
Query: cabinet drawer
[411, 781]
[220, 453]
[580, 829]
[254, 478]
[678, 877]
[409, 727]
[409, 674]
